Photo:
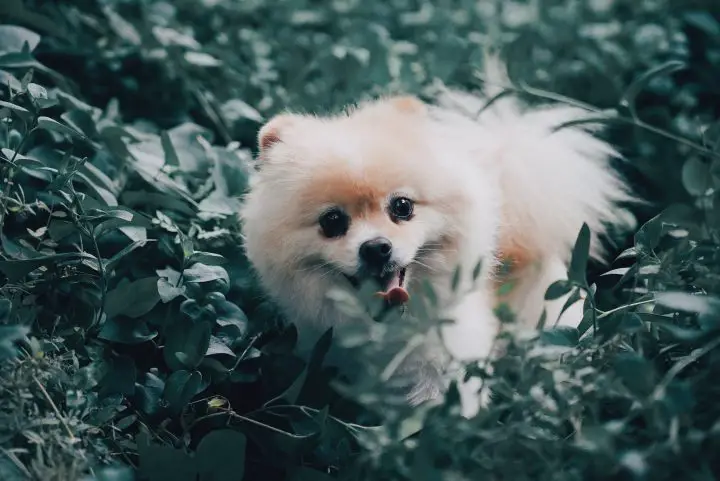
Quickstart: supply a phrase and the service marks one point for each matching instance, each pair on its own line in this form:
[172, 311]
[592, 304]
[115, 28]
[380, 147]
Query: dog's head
[372, 195]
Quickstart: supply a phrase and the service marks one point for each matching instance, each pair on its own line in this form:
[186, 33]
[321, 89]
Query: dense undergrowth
[135, 343]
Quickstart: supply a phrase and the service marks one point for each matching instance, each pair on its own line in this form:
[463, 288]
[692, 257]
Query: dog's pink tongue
[396, 296]
[395, 293]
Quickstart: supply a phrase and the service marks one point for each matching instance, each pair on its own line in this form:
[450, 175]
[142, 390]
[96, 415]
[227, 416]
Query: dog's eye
[334, 223]
[401, 208]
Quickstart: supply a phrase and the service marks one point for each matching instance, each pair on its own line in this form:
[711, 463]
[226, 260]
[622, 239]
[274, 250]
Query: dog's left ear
[408, 104]
[272, 132]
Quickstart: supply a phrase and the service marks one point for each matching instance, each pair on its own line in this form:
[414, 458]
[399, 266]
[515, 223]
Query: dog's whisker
[422, 264]
[318, 267]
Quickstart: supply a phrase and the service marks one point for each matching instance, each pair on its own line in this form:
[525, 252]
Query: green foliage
[135, 342]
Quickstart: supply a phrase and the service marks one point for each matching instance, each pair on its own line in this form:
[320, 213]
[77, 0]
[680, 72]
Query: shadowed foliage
[135, 342]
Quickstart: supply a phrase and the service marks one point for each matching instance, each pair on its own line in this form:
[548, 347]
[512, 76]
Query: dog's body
[401, 192]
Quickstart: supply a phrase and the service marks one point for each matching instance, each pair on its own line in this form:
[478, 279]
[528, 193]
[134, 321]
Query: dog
[401, 191]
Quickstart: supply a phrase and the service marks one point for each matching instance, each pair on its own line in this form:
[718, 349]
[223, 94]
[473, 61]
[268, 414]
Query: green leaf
[683, 301]
[580, 255]
[707, 307]
[149, 393]
[13, 38]
[37, 92]
[180, 388]
[207, 258]
[81, 121]
[636, 372]
[126, 331]
[110, 225]
[221, 456]
[200, 272]
[235, 110]
[165, 463]
[217, 347]
[477, 270]
[121, 27]
[171, 156]
[167, 291]
[186, 344]
[120, 378]
[561, 336]
[51, 125]
[557, 289]
[111, 263]
[21, 111]
[10, 81]
[201, 59]
[15, 270]
[649, 235]
[197, 313]
[696, 176]
[666, 324]
[704, 21]
[133, 299]
[229, 314]
[153, 201]
[455, 282]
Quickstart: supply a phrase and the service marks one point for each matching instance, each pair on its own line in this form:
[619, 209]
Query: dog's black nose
[375, 253]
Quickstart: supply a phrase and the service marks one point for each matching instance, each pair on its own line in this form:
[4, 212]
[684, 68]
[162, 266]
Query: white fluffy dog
[399, 191]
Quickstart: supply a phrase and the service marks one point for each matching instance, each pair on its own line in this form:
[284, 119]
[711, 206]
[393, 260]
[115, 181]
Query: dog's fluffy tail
[555, 175]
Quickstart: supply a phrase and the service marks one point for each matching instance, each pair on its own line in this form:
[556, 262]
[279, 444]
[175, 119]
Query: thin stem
[539, 93]
[54, 408]
[605, 314]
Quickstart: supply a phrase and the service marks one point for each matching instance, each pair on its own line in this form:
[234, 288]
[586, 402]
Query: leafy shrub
[135, 341]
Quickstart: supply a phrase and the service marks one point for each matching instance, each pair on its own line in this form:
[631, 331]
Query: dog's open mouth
[392, 284]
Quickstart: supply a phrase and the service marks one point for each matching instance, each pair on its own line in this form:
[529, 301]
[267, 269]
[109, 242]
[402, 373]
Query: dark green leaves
[21, 111]
[704, 21]
[561, 336]
[120, 377]
[557, 289]
[126, 331]
[51, 125]
[180, 388]
[171, 157]
[221, 456]
[696, 176]
[15, 39]
[15, 270]
[165, 463]
[130, 300]
[200, 272]
[133, 299]
[580, 256]
[186, 344]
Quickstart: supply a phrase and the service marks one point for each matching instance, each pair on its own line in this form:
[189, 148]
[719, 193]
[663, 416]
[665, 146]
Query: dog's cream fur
[490, 184]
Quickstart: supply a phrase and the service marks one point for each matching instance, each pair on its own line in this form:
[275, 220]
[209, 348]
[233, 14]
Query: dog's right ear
[272, 132]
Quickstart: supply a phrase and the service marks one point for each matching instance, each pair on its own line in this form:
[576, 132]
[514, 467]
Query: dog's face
[362, 197]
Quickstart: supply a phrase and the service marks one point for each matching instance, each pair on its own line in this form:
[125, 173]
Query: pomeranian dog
[399, 191]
